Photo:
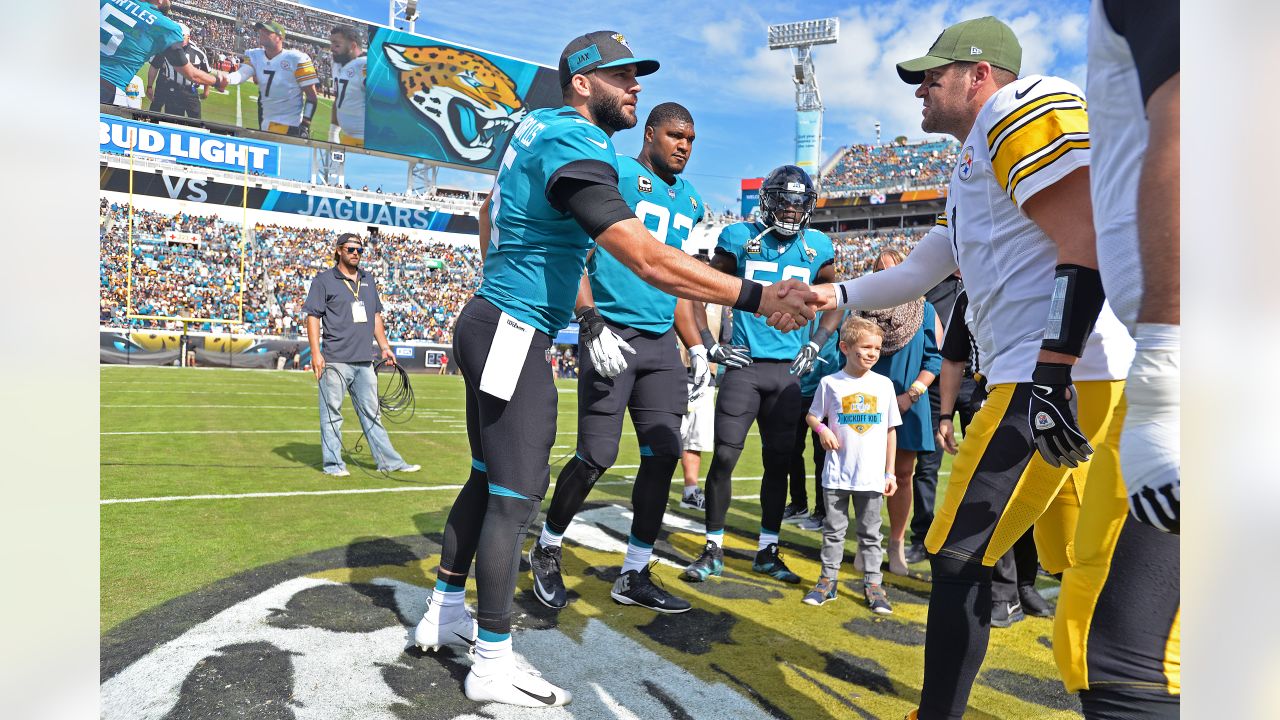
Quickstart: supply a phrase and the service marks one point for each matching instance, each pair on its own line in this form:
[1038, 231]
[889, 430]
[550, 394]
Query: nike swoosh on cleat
[466, 640]
[1020, 95]
[544, 699]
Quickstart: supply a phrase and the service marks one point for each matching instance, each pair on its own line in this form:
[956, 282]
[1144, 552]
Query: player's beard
[609, 113]
[341, 59]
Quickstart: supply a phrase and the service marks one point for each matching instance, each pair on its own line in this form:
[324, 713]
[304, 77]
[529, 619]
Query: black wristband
[590, 324]
[749, 296]
[708, 340]
[820, 336]
[1051, 374]
[1073, 309]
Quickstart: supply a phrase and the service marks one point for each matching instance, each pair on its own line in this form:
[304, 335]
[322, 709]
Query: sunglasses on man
[353, 250]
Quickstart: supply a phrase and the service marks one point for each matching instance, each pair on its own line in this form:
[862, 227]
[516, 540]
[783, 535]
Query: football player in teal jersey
[778, 247]
[623, 312]
[131, 33]
[555, 198]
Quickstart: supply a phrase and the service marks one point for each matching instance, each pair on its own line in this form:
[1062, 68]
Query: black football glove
[733, 356]
[1052, 420]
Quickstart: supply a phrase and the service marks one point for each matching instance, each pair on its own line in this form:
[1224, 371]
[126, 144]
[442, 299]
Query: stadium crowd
[892, 167]
[190, 264]
[186, 264]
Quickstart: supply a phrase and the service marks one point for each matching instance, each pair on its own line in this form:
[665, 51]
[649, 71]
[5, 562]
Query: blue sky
[715, 62]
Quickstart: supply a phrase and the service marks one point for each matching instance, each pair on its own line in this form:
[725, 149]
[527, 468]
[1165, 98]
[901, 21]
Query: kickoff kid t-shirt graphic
[860, 412]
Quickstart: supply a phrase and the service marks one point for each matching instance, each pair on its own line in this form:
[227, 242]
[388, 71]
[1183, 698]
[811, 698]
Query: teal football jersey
[537, 253]
[768, 260]
[130, 34]
[669, 212]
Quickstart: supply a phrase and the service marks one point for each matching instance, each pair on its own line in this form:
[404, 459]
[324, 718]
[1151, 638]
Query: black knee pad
[572, 487]
[949, 569]
[776, 463]
[726, 455]
[1129, 704]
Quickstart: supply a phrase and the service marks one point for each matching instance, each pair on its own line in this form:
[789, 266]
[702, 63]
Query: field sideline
[169, 435]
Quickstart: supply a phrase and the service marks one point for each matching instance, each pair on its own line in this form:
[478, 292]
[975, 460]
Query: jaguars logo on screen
[858, 411]
[472, 103]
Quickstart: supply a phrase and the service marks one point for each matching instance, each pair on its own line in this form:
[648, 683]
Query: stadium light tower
[405, 11]
[799, 38]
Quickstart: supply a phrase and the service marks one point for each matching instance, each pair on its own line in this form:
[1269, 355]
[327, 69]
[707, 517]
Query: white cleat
[459, 632]
[511, 686]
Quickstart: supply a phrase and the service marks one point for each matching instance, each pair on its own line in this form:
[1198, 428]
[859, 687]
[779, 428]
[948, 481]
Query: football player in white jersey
[347, 125]
[1019, 227]
[286, 81]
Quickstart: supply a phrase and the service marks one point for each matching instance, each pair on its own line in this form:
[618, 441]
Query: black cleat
[769, 562]
[710, 562]
[1004, 614]
[795, 513]
[548, 586]
[636, 587]
[1033, 603]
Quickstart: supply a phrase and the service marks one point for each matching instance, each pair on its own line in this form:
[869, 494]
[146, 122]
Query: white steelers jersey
[280, 82]
[1120, 141]
[1030, 134]
[348, 96]
[1107, 354]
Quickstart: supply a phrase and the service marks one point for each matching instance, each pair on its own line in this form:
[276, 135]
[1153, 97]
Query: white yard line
[286, 432]
[352, 491]
[245, 407]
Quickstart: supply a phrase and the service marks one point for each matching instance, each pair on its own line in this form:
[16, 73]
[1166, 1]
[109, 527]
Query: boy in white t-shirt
[855, 413]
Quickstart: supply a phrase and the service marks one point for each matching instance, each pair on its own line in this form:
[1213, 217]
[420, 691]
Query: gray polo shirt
[330, 299]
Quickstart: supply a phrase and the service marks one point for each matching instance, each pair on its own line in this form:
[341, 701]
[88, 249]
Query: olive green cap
[984, 38]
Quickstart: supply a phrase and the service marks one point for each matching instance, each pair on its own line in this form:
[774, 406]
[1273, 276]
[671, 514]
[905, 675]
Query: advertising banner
[116, 135]
[439, 101]
[390, 214]
[320, 76]
[809, 140]
[750, 196]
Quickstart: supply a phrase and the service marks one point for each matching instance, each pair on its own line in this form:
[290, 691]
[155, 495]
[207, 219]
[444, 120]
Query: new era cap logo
[974, 50]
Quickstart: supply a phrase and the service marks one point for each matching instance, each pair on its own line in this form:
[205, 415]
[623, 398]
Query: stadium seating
[190, 264]
[865, 169]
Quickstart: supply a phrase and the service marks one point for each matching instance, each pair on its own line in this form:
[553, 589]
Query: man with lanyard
[133, 32]
[344, 297]
[555, 197]
[1013, 227]
[777, 247]
[171, 92]
[651, 384]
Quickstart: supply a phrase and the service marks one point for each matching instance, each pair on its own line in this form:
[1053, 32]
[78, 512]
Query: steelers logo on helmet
[787, 198]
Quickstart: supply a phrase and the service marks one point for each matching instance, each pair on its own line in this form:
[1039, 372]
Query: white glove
[1150, 451]
[701, 372]
[603, 345]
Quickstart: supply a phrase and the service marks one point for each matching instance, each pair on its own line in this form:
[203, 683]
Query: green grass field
[176, 433]
[221, 107]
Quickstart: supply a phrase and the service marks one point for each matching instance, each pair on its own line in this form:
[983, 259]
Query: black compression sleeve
[176, 56]
[956, 343]
[1151, 29]
[1073, 309]
[595, 206]
[596, 171]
